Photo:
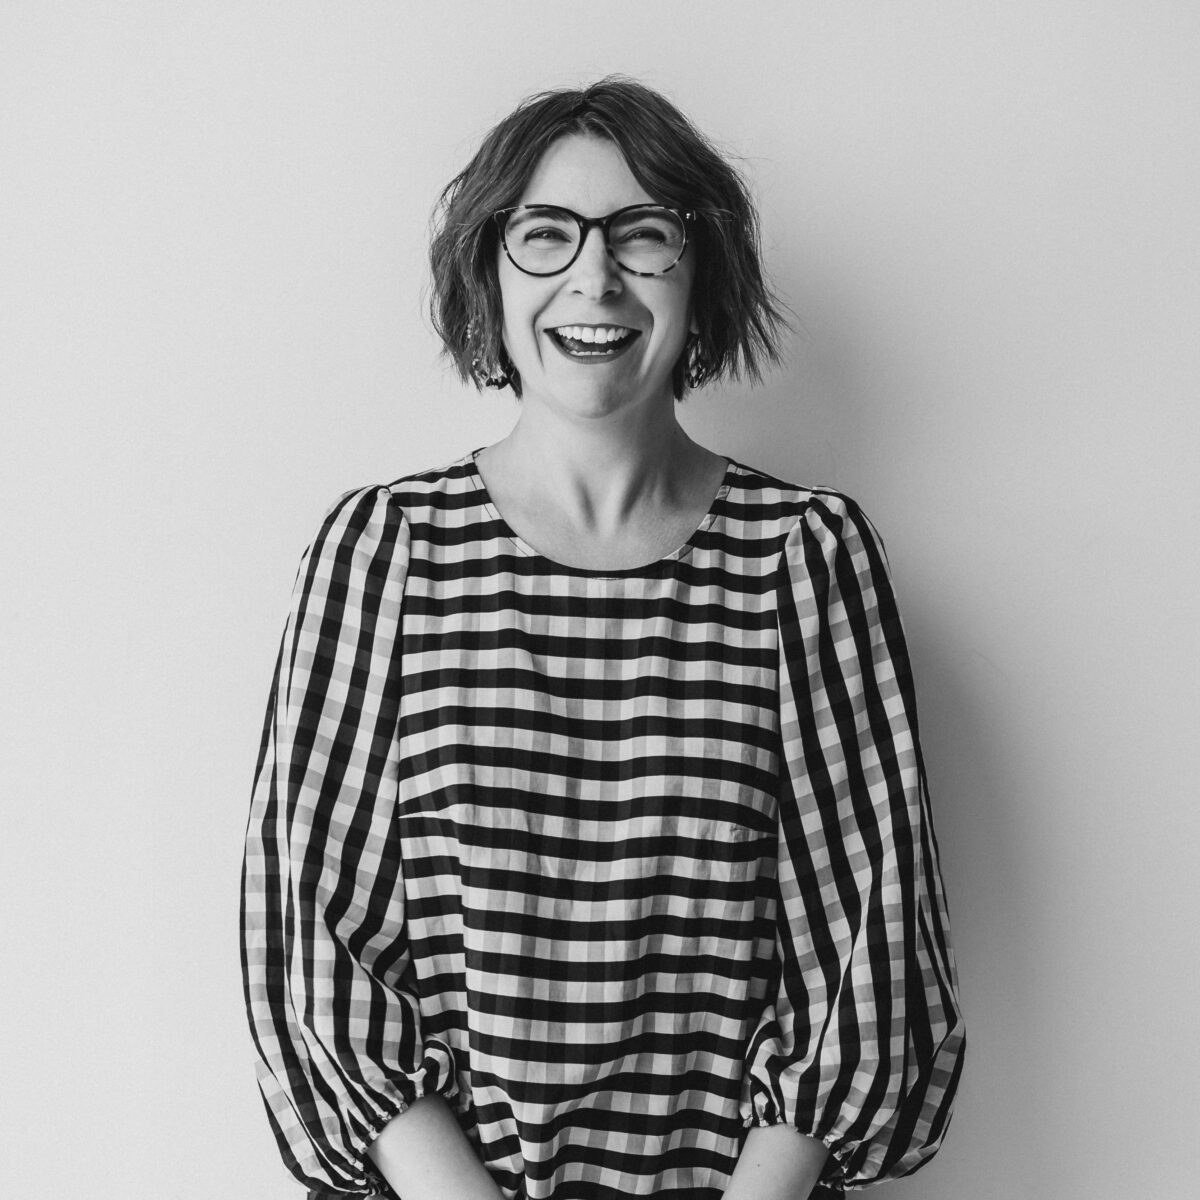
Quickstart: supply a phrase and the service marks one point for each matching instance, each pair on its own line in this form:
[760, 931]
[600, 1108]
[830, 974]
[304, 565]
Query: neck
[597, 472]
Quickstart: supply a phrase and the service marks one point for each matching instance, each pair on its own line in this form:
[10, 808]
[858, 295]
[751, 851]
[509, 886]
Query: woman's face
[589, 176]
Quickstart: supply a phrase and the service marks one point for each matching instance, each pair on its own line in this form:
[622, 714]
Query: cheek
[510, 300]
[681, 319]
[518, 330]
[679, 302]
[520, 306]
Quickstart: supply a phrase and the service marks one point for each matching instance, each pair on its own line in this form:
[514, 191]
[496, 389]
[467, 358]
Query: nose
[594, 274]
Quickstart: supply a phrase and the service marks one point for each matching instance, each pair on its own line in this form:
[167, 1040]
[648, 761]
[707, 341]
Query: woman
[590, 854]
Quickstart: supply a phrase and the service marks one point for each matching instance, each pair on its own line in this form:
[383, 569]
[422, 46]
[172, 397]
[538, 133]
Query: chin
[601, 397]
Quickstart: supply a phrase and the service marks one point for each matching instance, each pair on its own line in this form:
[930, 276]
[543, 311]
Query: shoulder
[375, 529]
[800, 512]
[436, 485]
[403, 500]
[360, 512]
[360, 541]
[829, 552]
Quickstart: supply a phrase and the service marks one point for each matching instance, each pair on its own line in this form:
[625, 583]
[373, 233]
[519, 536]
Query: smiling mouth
[595, 343]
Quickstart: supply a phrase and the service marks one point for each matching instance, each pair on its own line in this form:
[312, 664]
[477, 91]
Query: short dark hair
[738, 317]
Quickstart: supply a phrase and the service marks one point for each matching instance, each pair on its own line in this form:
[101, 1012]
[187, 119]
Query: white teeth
[593, 333]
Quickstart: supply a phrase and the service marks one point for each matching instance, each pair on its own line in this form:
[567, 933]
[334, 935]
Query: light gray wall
[212, 250]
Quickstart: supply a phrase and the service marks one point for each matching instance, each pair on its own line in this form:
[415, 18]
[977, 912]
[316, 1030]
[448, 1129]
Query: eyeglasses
[543, 239]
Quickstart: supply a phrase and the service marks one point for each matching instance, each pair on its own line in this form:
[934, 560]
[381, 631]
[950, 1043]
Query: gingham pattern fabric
[619, 863]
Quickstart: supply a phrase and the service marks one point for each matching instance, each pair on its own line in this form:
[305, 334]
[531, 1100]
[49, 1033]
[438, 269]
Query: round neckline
[649, 568]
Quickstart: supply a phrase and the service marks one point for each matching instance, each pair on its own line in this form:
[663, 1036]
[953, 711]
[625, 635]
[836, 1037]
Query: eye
[643, 230]
[644, 233]
[544, 233]
[540, 228]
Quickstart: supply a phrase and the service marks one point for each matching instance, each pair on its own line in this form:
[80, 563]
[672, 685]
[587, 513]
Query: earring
[698, 369]
[493, 377]
[485, 374]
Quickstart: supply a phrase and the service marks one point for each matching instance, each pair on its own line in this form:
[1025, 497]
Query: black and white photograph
[601, 603]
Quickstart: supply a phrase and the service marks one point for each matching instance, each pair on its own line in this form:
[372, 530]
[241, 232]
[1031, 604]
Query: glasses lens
[541, 240]
[647, 240]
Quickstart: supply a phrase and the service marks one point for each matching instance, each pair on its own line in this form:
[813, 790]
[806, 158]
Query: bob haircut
[738, 317]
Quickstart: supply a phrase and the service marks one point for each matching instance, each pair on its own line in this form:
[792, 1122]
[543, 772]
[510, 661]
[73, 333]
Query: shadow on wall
[800, 426]
[973, 762]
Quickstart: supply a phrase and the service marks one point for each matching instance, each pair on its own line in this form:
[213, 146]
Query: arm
[776, 1163]
[329, 991]
[861, 1046]
[424, 1155]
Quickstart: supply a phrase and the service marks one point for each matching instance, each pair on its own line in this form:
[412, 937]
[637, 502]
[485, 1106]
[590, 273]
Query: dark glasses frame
[586, 225]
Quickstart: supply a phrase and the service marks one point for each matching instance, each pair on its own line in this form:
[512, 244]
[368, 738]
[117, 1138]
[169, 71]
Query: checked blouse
[618, 863]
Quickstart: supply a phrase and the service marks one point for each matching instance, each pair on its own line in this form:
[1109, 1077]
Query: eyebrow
[575, 212]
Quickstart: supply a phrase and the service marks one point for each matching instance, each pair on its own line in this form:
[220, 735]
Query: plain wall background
[213, 224]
